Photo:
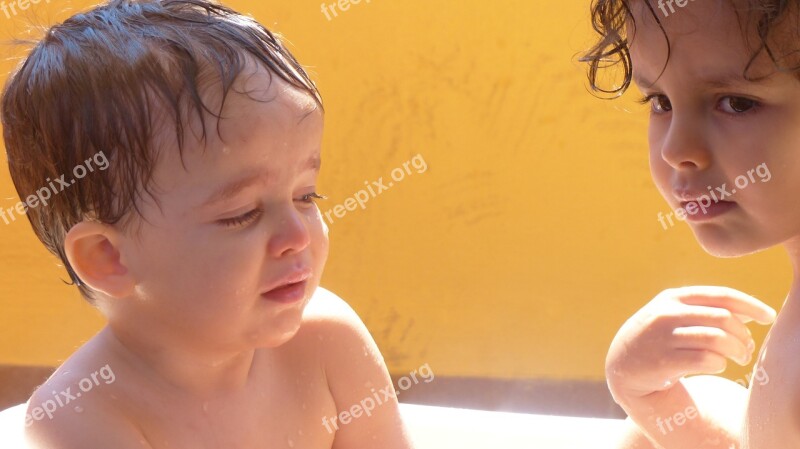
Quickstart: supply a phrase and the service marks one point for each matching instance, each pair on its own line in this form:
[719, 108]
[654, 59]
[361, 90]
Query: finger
[712, 339]
[727, 298]
[698, 361]
[719, 318]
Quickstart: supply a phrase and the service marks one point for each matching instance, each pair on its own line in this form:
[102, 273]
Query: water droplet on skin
[300, 432]
[304, 407]
[78, 409]
[205, 407]
[291, 443]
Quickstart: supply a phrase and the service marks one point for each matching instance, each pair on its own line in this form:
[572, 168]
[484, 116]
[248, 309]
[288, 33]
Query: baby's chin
[277, 335]
[283, 327]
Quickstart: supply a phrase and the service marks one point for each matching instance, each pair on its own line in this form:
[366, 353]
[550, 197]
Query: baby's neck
[182, 369]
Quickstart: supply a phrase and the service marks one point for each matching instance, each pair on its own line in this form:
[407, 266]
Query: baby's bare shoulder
[75, 408]
[330, 322]
[356, 376]
[325, 307]
[327, 317]
[331, 325]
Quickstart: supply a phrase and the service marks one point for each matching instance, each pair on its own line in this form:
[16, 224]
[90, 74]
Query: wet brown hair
[94, 84]
[612, 51]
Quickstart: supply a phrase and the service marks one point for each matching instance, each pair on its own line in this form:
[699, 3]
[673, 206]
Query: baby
[199, 241]
[721, 80]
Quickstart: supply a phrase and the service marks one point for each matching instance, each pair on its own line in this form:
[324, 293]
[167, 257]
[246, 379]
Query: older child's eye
[659, 104]
[737, 105]
[309, 198]
[243, 219]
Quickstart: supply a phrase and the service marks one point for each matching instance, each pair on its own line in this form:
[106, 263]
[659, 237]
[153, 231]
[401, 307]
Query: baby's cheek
[322, 243]
[206, 270]
[316, 223]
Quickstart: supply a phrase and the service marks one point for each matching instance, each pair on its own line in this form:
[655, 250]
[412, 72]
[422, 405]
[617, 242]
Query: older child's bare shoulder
[775, 392]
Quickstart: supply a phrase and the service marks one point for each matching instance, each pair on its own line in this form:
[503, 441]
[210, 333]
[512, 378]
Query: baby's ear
[93, 251]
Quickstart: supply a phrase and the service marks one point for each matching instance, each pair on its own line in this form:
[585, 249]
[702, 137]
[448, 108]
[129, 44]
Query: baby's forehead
[255, 87]
[271, 100]
[257, 98]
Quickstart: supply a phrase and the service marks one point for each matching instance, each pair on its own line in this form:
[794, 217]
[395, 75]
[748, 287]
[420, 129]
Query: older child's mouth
[706, 212]
[287, 294]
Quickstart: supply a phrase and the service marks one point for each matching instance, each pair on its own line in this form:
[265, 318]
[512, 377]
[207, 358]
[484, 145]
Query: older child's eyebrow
[250, 178]
[713, 81]
[730, 80]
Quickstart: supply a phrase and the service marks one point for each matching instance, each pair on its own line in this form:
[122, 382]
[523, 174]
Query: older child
[200, 243]
[721, 80]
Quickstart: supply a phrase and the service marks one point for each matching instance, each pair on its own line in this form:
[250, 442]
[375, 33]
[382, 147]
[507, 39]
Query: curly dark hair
[93, 85]
[610, 19]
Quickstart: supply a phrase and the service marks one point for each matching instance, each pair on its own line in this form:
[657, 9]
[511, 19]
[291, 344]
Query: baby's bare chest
[266, 425]
[271, 416]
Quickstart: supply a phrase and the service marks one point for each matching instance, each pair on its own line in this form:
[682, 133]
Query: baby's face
[234, 221]
[713, 133]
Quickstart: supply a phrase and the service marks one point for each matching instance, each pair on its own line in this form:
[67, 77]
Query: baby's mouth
[288, 293]
[292, 288]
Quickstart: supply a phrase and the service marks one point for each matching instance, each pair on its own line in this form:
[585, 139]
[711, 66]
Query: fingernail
[744, 359]
[751, 346]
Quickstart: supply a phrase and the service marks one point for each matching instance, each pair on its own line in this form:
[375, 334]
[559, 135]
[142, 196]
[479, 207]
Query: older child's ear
[93, 251]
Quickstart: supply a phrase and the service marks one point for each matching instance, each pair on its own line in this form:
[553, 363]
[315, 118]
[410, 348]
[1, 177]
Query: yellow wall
[517, 254]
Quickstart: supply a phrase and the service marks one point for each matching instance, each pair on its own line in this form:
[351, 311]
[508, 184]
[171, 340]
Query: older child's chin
[720, 243]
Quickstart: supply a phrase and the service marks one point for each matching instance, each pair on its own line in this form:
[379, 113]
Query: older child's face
[713, 133]
[237, 225]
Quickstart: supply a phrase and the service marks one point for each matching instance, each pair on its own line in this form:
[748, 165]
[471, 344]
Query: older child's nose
[685, 145]
[289, 233]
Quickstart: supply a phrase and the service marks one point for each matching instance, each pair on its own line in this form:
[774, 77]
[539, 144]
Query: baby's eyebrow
[250, 178]
[232, 188]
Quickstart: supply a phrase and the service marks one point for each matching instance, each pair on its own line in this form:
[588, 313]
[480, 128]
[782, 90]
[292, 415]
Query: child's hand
[682, 331]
